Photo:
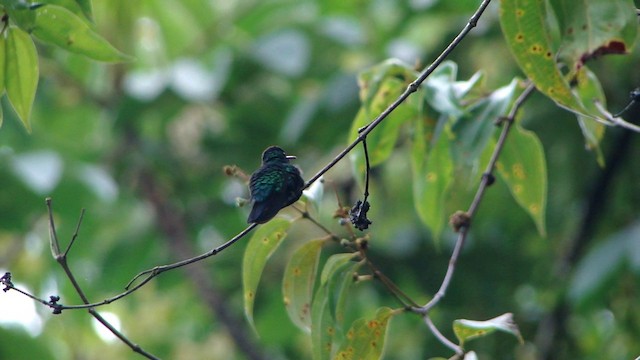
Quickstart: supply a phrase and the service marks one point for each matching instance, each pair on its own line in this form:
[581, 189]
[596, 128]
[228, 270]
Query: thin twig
[484, 183]
[62, 260]
[617, 121]
[443, 339]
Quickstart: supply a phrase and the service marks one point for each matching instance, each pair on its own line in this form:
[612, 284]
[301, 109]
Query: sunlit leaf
[523, 167]
[379, 87]
[365, 339]
[58, 26]
[432, 175]
[298, 282]
[594, 28]
[259, 249]
[445, 93]
[21, 78]
[470, 329]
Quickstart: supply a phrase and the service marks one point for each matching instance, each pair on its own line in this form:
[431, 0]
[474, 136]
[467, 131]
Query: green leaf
[588, 89]
[328, 298]
[58, 26]
[432, 175]
[3, 62]
[85, 5]
[594, 28]
[323, 330]
[21, 77]
[365, 339]
[259, 249]
[599, 266]
[379, 87]
[21, 14]
[470, 329]
[473, 130]
[445, 94]
[522, 166]
[298, 282]
[527, 34]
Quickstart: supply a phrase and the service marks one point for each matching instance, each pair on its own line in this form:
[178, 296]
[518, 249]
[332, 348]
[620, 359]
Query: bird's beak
[290, 157]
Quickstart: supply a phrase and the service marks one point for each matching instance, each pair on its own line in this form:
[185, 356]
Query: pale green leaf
[58, 26]
[470, 329]
[365, 339]
[445, 93]
[21, 78]
[523, 167]
[259, 249]
[298, 282]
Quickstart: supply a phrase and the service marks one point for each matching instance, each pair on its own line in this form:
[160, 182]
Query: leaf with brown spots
[594, 28]
[365, 339]
[298, 281]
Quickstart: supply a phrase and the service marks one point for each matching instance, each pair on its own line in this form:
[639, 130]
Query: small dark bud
[362, 243]
[358, 215]
[635, 94]
[229, 170]
[459, 220]
[490, 178]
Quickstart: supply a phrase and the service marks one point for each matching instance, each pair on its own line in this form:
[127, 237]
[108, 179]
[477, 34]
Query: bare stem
[484, 183]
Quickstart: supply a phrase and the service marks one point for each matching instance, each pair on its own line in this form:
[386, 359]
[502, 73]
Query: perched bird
[275, 185]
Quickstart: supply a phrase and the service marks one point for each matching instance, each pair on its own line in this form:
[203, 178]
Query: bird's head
[275, 154]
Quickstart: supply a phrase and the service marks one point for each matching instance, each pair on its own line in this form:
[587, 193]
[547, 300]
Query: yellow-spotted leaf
[432, 175]
[259, 249]
[21, 76]
[58, 26]
[470, 329]
[524, 25]
[365, 339]
[522, 166]
[299, 279]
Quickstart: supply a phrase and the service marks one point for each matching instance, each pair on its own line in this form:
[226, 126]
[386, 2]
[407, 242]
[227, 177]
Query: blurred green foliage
[214, 83]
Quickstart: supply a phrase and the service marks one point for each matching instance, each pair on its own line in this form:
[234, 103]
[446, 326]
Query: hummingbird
[275, 185]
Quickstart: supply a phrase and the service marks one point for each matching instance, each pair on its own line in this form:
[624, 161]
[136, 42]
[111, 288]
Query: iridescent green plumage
[275, 185]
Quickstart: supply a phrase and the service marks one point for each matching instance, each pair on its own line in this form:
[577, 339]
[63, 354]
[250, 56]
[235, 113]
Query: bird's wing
[266, 182]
